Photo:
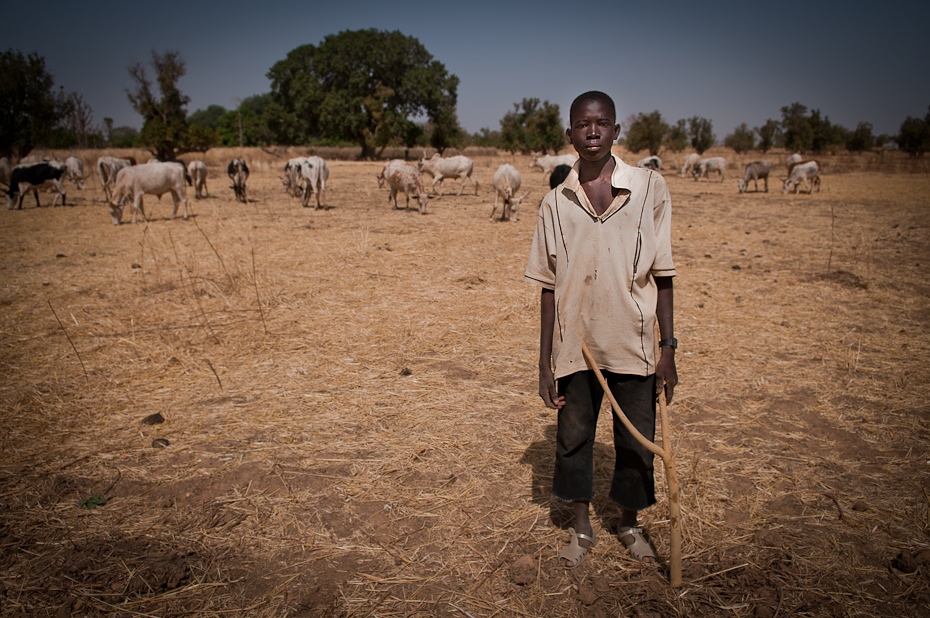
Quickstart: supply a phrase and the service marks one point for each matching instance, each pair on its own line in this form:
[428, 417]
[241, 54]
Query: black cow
[36, 176]
[558, 175]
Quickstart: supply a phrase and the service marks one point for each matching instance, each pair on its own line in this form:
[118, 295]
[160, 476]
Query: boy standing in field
[602, 255]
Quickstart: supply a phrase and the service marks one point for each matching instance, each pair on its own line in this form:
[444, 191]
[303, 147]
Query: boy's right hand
[548, 390]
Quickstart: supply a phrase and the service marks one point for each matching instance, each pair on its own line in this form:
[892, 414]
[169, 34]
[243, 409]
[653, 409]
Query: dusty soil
[268, 410]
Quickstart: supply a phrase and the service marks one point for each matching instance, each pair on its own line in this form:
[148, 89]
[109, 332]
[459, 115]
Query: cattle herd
[124, 181]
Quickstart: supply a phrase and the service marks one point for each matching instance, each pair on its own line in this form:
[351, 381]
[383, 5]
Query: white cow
[238, 173]
[75, 172]
[755, 171]
[197, 170]
[386, 170]
[313, 176]
[713, 164]
[451, 167]
[151, 178]
[652, 163]
[795, 158]
[807, 172]
[506, 184]
[547, 163]
[291, 179]
[406, 178]
[690, 161]
[6, 170]
[107, 168]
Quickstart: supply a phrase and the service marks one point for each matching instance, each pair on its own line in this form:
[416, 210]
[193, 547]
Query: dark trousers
[633, 484]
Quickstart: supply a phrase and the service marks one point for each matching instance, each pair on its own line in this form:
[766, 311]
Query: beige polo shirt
[603, 269]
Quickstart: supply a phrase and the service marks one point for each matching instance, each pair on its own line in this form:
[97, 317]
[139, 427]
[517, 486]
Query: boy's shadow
[541, 456]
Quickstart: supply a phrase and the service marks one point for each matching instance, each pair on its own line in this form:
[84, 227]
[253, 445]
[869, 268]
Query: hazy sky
[721, 59]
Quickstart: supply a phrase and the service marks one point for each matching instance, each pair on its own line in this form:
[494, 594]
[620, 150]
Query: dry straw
[352, 421]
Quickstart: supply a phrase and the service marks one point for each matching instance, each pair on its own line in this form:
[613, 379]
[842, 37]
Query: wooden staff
[665, 452]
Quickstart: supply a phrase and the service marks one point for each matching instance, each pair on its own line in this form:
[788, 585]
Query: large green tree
[363, 86]
[647, 132]
[796, 128]
[677, 137]
[209, 117]
[914, 135]
[861, 139]
[29, 108]
[741, 140]
[532, 126]
[701, 131]
[164, 126]
[768, 133]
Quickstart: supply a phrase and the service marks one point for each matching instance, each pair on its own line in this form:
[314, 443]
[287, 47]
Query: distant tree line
[799, 130]
[371, 89]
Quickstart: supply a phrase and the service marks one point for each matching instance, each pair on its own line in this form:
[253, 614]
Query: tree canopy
[701, 131]
[647, 132]
[677, 137]
[29, 109]
[741, 140]
[768, 133]
[363, 86]
[914, 135]
[164, 126]
[861, 139]
[532, 126]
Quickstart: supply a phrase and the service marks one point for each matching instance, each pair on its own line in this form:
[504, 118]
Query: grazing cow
[547, 163]
[291, 179]
[197, 170]
[406, 178]
[755, 171]
[33, 177]
[107, 168]
[795, 158]
[452, 167]
[75, 172]
[690, 161]
[135, 181]
[6, 170]
[187, 177]
[807, 172]
[386, 170]
[558, 175]
[313, 176]
[705, 166]
[652, 163]
[238, 173]
[506, 184]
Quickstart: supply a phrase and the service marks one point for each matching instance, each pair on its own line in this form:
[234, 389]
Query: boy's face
[593, 131]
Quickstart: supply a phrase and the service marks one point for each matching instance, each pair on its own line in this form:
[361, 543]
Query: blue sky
[730, 61]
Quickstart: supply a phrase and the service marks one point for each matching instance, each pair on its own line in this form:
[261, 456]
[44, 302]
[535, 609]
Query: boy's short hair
[590, 97]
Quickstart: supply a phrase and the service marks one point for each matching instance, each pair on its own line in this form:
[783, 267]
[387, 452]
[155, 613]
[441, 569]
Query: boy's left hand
[667, 372]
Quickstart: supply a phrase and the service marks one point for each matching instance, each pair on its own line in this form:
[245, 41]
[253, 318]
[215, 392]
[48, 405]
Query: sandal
[574, 552]
[635, 541]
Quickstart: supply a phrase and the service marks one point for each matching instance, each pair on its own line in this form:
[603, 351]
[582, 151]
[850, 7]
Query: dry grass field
[268, 410]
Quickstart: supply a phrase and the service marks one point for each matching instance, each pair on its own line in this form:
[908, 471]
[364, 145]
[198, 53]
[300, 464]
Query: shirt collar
[621, 178]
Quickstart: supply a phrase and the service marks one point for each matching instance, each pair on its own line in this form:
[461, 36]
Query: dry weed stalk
[68, 337]
[258, 300]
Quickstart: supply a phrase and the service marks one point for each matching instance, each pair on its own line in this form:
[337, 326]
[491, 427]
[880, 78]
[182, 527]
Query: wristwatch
[673, 343]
